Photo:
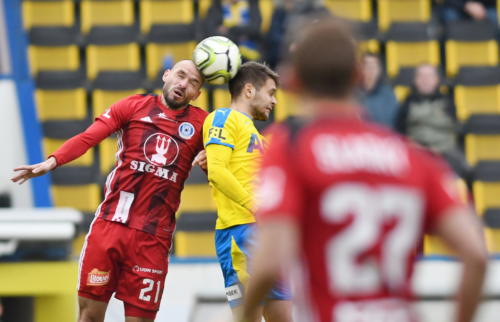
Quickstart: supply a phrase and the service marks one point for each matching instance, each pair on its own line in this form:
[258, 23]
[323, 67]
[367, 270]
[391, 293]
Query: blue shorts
[232, 246]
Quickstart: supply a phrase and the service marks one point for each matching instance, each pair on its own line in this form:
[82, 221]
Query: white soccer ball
[218, 59]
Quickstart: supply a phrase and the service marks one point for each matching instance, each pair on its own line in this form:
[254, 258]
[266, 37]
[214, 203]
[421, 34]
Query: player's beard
[175, 105]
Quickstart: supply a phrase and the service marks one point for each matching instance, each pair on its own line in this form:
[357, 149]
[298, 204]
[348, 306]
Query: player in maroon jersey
[127, 247]
[351, 200]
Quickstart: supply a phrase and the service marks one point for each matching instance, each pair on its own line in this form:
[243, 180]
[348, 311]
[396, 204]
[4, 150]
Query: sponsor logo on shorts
[139, 269]
[233, 293]
[97, 278]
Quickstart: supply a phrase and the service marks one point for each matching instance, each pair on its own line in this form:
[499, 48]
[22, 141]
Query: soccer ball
[218, 59]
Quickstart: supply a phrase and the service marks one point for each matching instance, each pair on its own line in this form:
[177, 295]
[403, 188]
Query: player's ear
[249, 91]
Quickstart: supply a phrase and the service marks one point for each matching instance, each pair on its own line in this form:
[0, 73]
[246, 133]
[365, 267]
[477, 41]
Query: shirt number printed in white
[150, 284]
[370, 208]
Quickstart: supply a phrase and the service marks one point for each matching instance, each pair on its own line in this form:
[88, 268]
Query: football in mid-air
[218, 58]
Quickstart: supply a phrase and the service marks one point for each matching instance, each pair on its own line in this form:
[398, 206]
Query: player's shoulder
[198, 111]
[220, 117]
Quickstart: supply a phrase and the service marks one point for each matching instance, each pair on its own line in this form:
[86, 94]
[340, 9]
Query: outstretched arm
[69, 151]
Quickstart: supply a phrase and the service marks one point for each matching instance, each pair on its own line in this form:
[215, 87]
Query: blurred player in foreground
[127, 248]
[234, 147]
[351, 200]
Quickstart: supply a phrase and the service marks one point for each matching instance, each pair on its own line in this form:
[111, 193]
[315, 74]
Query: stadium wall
[195, 293]
[15, 69]
[12, 139]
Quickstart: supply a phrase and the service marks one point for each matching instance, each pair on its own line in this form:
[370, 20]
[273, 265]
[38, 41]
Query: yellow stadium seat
[369, 45]
[156, 53]
[360, 10]
[48, 13]
[409, 45]
[61, 104]
[194, 244]
[486, 186]
[492, 236]
[60, 96]
[84, 197]
[194, 235]
[402, 83]
[53, 58]
[53, 48]
[112, 49]
[492, 230]
[203, 6]
[477, 91]
[434, 246]
[470, 44]
[482, 138]
[164, 12]
[107, 154]
[391, 11]
[221, 97]
[266, 8]
[103, 99]
[197, 197]
[286, 105]
[50, 145]
[106, 13]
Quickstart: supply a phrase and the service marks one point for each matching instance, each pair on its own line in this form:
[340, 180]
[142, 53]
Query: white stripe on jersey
[109, 179]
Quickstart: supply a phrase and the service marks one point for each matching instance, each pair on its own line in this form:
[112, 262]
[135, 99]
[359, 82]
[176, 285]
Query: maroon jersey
[361, 197]
[156, 146]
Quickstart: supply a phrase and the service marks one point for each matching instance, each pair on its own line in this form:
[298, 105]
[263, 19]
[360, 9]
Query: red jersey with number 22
[361, 197]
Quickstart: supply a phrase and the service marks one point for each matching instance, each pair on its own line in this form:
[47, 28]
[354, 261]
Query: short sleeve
[219, 128]
[279, 191]
[118, 114]
[441, 190]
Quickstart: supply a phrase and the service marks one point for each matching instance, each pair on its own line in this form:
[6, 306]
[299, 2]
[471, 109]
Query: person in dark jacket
[478, 10]
[238, 20]
[428, 118]
[375, 94]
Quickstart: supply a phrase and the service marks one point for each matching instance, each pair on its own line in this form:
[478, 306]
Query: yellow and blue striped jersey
[235, 130]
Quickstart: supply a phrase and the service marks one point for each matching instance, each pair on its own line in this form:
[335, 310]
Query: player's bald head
[324, 59]
[190, 67]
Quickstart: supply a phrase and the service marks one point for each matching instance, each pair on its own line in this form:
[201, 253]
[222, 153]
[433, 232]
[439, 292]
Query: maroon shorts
[130, 262]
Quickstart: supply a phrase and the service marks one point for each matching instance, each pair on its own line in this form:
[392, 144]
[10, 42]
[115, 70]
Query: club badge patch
[186, 130]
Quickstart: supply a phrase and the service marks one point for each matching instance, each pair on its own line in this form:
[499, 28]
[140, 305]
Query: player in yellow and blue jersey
[234, 148]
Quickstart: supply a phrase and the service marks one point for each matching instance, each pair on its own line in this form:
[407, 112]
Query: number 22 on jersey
[371, 208]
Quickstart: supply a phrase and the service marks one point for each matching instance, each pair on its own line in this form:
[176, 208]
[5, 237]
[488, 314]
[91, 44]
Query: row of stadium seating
[406, 45]
[150, 12]
[73, 60]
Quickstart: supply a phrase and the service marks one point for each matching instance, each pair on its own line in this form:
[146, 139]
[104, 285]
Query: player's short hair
[254, 73]
[325, 58]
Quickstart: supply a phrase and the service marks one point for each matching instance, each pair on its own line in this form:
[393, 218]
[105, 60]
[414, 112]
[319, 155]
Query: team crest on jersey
[186, 130]
[161, 149]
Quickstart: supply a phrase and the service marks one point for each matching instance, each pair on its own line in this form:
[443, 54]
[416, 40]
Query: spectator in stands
[240, 21]
[428, 117]
[478, 10]
[375, 94]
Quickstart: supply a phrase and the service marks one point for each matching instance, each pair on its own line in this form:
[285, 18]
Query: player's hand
[201, 160]
[27, 172]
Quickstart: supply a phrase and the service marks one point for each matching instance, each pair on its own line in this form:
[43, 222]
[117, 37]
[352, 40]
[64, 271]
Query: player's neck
[241, 107]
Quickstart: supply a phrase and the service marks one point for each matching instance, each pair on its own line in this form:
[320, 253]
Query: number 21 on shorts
[146, 292]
